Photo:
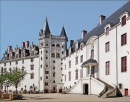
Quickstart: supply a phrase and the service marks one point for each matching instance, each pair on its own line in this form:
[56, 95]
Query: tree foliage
[14, 77]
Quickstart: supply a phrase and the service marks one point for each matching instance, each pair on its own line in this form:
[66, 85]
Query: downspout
[39, 74]
[98, 59]
[116, 60]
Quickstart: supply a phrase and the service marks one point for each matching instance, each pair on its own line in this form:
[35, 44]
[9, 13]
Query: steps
[109, 91]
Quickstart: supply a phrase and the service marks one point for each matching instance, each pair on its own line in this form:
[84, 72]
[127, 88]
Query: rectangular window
[16, 55]
[16, 62]
[81, 47]
[92, 53]
[120, 86]
[4, 64]
[107, 30]
[107, 46]
[123, 64]
[123, 39]
[53, 74]
[81, 58]
[76, 60]
[69, 64]
[32, 76]
[123, 22]
[46, 84]
[32, 67]
[31, 59]
[10, 63]
[46, 72]
[81, 73]
[69, 76]
[41, 43]
[4, 70]
[65, 77]
[107, 67]
[23, 61]
[76, 74]
[65, 67]
[1, 70]
[46, 77]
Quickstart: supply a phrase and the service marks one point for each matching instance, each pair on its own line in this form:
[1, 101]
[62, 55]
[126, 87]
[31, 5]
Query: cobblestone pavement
[67, 98]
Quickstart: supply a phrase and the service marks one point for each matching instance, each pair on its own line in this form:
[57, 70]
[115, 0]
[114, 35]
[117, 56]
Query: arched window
[52, 55]
[53, 45]
[57, 45]
[123, 20]
[57, 55]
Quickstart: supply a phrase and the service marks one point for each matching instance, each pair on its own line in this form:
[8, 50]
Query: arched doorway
[85, 89]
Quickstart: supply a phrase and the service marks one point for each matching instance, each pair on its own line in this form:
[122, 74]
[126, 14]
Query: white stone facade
[56, 67]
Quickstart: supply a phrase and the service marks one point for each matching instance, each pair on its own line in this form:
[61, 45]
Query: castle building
[97, 63]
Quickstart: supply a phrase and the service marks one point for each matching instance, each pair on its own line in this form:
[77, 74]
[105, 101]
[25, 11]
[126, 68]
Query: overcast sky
[21, 21]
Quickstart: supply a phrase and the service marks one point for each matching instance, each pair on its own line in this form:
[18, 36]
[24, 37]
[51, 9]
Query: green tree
[2, 80]
[16, 76]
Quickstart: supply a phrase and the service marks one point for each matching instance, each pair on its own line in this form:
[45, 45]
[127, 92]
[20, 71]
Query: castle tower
[51, 50]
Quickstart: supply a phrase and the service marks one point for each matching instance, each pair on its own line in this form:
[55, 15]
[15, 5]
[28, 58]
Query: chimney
[102, 17]
[71, 42]
[27, 44]
[83, 33]
[23, 44]
[9, 48]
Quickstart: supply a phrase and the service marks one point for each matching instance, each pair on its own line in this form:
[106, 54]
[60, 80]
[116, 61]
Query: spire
[46, 29]
[63, 33]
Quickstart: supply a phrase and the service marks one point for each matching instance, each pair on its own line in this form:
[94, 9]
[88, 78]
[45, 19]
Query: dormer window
[107, 30]
[81, 47]
[123, 20]
[123, 17]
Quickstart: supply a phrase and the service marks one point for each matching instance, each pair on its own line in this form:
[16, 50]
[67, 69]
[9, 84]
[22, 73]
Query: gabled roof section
[114, 19]
[63, 33]
[46, 29]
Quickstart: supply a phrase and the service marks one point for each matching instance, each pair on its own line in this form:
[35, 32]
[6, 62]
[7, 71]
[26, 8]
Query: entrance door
[86, 89]
[126, 92]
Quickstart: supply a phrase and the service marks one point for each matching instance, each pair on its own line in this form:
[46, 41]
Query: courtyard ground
[67, 98]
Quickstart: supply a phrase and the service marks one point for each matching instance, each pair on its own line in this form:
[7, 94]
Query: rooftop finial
[46, 19]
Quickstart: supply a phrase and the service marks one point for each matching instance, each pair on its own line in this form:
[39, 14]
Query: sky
[21, 21]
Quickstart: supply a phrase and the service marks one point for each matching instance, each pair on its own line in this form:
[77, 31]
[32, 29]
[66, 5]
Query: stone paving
[67, 98]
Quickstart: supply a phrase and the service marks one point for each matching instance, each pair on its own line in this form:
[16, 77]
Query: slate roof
[113, 19]
[89, 61]
[63, 33]
[46, 29]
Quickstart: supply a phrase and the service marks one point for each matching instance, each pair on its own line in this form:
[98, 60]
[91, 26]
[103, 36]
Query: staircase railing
[112, 93]
[105, 87]
[67, 90]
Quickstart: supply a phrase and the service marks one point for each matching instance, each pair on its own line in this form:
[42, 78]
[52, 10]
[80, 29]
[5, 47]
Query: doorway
[126, 92]
[86, 89]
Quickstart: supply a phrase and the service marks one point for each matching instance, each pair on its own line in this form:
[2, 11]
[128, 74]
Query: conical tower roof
[46, 29]
[63, 33]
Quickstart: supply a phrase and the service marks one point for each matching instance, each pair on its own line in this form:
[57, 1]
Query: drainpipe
[98, 59]
[116, 59]
[90, 78]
